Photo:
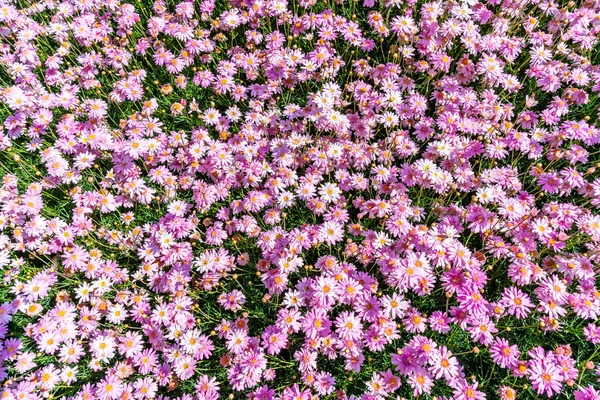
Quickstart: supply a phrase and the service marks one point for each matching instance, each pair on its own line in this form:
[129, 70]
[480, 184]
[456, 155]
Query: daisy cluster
[266, 199]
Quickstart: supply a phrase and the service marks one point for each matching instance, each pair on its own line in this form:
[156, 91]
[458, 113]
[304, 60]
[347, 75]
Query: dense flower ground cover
[299, 200]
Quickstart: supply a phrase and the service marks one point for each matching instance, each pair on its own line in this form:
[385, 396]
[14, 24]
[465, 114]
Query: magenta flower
[503, 353]
[545, 377]
[516, 302]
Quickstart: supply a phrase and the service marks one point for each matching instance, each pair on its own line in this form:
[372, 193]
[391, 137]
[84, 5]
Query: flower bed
[265, 199]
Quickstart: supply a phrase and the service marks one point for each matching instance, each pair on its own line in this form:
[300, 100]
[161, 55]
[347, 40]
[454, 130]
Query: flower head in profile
[232, 301]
